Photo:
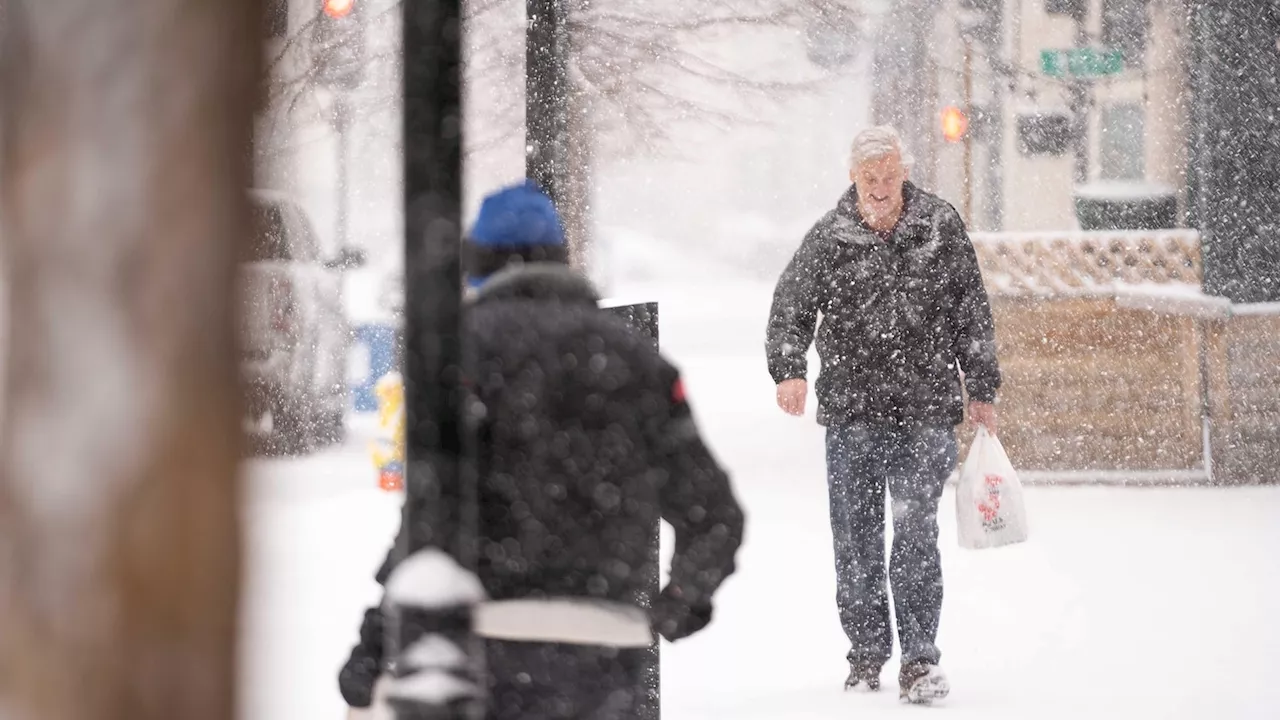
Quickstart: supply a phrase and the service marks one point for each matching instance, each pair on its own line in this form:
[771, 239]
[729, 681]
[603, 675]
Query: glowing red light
[954, 123]
[338, 8]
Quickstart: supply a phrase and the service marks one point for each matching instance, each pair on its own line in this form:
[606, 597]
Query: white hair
[877, 142]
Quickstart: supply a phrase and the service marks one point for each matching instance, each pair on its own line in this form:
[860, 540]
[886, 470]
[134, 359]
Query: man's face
[879, 182]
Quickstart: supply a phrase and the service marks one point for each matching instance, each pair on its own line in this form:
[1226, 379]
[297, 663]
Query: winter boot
[863, 677]
[921, 683]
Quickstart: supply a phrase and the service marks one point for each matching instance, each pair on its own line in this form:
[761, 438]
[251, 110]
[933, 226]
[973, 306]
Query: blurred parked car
[295, 334]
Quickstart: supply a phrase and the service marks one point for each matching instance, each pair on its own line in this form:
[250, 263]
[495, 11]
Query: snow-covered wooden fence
[1117, 366]
[1244, 389]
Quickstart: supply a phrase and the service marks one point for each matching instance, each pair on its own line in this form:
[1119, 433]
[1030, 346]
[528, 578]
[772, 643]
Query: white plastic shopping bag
[990, 509]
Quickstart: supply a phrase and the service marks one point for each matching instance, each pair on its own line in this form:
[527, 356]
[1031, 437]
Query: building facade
[1029, 92]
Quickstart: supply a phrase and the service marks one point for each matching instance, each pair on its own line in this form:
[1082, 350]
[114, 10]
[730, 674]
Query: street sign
[1081, 62]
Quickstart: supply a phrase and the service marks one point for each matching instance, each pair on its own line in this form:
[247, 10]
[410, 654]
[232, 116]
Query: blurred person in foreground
[585, 440]
[893, 274]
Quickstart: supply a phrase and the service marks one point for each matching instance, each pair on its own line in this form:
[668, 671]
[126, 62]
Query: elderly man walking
[893, 274]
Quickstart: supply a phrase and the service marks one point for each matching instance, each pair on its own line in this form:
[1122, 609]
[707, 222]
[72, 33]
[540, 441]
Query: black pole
[437, 669]
[644, 318]
[547, 96]
[433, 272]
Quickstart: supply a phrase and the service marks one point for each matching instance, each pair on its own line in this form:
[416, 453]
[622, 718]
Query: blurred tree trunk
[576, 210]
[125, 129]
[903, 93]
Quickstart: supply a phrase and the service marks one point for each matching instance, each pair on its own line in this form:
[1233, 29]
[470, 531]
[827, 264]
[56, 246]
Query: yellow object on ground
[388, 448]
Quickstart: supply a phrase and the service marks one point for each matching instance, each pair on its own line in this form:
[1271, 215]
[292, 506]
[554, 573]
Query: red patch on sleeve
[677, 391]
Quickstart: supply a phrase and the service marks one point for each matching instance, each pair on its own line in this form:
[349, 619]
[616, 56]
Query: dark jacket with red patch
[585, 441]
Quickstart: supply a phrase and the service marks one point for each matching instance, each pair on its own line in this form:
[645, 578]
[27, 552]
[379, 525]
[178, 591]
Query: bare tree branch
[636, 56]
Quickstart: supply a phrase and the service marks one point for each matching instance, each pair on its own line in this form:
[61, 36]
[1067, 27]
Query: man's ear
[853, 175]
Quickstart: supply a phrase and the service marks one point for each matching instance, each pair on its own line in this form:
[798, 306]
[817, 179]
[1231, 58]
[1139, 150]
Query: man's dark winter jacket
[585, 440]
[898, 314]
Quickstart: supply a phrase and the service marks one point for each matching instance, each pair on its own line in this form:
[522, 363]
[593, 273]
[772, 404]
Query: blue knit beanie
[517, 216]
[517, 222]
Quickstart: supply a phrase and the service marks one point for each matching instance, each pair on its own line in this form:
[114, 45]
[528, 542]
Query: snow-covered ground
[1125, 603]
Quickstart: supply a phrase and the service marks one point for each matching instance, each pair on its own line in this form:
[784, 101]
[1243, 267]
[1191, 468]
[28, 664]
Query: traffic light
[338, 8]
[338, 43]
[955, 123]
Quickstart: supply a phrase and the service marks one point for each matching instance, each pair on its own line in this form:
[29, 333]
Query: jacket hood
[545, 281]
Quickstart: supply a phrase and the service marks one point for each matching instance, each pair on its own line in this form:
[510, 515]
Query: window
[1124, 28]
[1121, 146]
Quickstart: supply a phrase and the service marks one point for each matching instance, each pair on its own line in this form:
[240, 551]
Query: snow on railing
[437, 670]
[1256, 309]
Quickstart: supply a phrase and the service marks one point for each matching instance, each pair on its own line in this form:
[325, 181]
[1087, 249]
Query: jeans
[914, 463]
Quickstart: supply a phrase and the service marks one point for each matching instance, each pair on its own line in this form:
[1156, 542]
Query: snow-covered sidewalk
[1125, 603]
